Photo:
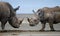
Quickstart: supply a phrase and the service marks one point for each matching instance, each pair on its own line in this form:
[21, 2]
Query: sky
[26, 6]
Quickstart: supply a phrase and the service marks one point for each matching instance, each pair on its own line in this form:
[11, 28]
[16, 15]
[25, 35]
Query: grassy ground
[30, 33]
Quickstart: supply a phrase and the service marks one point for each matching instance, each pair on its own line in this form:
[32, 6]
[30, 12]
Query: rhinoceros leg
[51, 26]
[3, 22]
[43, 26]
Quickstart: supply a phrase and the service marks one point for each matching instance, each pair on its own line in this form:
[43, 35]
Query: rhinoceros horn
[28, 19]
[21, 21]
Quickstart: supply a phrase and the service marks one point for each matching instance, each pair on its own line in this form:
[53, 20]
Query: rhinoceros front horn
[21, 21]
[28, 19]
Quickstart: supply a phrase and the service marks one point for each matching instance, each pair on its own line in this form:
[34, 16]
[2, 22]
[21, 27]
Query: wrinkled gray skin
[7, 13]
[45, 17]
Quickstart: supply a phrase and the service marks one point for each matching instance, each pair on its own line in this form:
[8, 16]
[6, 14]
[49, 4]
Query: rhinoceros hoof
[52, 30]
[41, 30]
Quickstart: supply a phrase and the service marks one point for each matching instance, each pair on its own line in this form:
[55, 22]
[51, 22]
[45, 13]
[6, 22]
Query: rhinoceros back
[4, 10]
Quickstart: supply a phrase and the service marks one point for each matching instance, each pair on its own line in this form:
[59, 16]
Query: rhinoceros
[47, 15]
[8, 13]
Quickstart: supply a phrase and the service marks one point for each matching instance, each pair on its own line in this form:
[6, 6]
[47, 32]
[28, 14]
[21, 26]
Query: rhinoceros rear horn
[17, 8]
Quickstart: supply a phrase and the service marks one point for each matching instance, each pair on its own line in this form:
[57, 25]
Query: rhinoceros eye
[39, 13]
[35, 20]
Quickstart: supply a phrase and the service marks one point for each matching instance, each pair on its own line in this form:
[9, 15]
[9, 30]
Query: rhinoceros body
[8, 13]
[46, 15]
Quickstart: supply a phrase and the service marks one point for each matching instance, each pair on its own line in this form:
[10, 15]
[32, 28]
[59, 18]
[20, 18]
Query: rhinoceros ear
[17, 8]
[34, 12]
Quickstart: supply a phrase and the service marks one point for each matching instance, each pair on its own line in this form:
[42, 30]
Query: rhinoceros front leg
[51, 26]
[3, 22]
[43, 26]
[2, 26]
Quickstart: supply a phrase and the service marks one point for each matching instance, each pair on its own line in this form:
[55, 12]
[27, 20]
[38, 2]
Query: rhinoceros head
[34, 20]
[14, 22]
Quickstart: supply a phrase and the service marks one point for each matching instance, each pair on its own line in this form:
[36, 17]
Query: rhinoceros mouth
[15, 26]
[32, 25]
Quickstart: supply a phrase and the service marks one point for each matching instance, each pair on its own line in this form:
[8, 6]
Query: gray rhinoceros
[46, 15]
[8, 13]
